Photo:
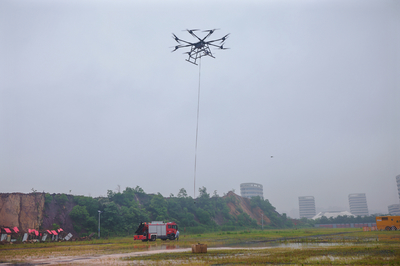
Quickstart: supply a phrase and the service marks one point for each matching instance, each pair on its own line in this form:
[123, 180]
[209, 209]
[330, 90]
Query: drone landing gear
[194, 63]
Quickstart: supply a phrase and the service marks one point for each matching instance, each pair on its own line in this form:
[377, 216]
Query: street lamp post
[99, 221]
[262, 221]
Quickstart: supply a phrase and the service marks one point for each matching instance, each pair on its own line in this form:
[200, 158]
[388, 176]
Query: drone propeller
[191, 31]
[210, 31]
[225, 37]
[180, 40]
[176, 38]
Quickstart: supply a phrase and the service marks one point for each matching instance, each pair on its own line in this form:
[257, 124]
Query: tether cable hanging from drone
[198, 49]
[197, 134]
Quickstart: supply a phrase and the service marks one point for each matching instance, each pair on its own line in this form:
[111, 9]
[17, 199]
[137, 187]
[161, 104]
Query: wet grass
[384, 241]
[338, 255]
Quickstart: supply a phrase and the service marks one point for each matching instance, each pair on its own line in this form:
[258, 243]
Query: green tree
[92, 205]
[203, 193]
[203, 216]
[182, 193]
[61, 199]
[79, 213]
[82, 220]
[158, 208]
[139, 190]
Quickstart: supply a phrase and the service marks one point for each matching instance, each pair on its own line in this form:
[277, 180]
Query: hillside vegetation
[123, 211]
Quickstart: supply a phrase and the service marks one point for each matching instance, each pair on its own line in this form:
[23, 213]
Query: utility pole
[99, 221]
[262, 221]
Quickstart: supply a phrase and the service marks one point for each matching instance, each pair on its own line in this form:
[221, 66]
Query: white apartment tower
[394, 209]
[398, 184]
[307, 207]
[249, 190]
[358, 204]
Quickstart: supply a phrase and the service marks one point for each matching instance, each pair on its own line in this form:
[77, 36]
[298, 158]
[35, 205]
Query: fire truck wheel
[394, 228]
[387, 228]
[171, 237]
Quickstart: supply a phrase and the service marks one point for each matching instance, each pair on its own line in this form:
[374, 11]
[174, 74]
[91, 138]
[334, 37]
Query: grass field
[346, 247]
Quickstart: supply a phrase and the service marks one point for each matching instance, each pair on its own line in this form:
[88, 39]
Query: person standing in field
[177, 235]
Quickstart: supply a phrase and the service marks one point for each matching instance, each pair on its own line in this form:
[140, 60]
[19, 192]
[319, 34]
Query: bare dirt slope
[237, 205]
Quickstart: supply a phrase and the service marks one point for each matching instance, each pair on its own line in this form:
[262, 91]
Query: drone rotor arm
[194, 35]
[188, 43]
[180, 40]
[207, 36]
[180, 46]
[219, 46]
[191, 32]
[220, 39]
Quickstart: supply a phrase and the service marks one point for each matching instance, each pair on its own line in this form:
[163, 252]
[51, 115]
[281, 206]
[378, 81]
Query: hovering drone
[201, 47]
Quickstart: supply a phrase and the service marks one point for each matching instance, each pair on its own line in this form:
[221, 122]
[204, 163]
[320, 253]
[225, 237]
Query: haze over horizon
[91, 97]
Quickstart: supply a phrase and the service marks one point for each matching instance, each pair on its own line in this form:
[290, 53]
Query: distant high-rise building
[249, 190]
[307, 207]
[398, 184]
[394, 209]
[358, 204]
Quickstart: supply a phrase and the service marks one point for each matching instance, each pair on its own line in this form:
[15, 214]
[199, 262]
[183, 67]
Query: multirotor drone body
[201, 47]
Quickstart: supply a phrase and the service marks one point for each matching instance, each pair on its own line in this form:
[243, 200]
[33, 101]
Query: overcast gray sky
[91, 97]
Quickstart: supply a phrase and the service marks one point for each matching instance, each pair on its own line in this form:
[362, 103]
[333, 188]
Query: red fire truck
[152, 231]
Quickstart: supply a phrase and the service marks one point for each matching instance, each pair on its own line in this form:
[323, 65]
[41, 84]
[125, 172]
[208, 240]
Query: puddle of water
[287, 245]
[251, 245]
[163, 246]
[330, 258]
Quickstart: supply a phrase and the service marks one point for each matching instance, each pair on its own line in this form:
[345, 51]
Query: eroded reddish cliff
[24, 211]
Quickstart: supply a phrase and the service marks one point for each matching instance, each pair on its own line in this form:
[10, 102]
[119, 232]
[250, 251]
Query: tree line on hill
[121, 212]
[345, 219]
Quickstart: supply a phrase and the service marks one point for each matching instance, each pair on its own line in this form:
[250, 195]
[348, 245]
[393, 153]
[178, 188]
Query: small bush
[47, 199]
[61, 199]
